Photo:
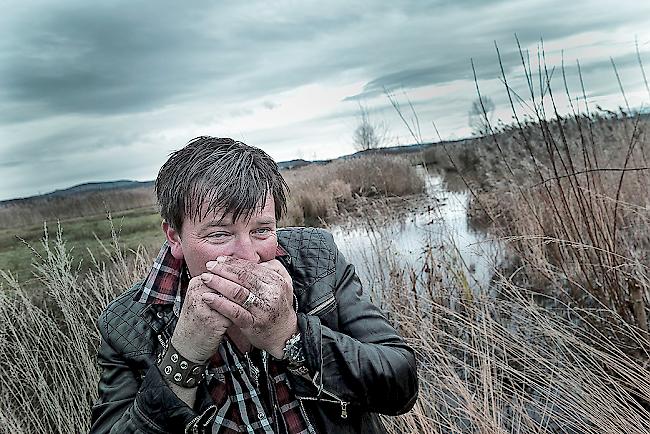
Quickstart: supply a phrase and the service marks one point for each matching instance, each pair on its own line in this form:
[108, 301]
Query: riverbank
[320, 194]
[516, 352]
[486, 363]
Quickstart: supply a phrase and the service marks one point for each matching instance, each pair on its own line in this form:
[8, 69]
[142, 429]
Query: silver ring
[249, 300]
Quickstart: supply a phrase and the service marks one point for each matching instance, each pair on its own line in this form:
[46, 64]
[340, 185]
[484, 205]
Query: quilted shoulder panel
[124, 326]
[312, 252]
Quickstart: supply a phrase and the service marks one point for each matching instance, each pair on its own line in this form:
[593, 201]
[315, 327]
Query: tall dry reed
[503, 359]
[569, 192]
[49, 340]
[571, 195]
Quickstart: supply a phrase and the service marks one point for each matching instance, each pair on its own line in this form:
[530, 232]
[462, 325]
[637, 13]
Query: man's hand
[270, 320]
[200, 327]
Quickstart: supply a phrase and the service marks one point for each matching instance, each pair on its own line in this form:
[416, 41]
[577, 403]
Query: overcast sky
[97, 91]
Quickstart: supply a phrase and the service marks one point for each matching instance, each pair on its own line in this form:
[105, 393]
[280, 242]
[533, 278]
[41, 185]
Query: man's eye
[263, 231]
[218, 235]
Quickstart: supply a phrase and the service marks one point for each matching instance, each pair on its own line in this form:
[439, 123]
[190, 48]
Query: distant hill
[86, 187]
[402, 149]
[294, 164]
[123, 184]
[95, 186]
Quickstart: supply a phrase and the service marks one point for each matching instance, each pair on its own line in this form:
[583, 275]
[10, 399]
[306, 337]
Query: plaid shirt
[240, 384]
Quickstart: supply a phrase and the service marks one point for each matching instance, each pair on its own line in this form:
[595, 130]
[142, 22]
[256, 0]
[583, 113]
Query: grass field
[135, 228]
[320, 194]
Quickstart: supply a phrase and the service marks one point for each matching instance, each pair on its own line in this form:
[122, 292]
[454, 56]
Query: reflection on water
[437, 224]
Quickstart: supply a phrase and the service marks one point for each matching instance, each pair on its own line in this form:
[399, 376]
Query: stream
[405, 232]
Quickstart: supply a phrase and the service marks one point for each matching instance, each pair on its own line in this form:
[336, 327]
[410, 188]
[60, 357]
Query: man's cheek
[269, 253]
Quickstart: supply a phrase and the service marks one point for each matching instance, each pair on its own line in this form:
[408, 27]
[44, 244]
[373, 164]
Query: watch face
[291, 347]
[295, 356]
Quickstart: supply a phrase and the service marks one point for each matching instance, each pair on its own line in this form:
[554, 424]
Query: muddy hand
[200, 327]
[263, 294]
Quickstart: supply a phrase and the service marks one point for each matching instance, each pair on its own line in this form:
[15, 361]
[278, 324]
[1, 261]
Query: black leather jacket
[358, 364]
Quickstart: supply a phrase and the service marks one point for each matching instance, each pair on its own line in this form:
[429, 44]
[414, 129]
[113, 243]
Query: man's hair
[213, 174]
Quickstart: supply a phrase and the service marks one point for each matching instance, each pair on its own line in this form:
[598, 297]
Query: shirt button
[160, 314]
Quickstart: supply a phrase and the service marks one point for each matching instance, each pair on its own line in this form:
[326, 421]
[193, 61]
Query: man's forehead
[224, 216]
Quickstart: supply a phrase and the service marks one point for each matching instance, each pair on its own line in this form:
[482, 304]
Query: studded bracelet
[178, 370]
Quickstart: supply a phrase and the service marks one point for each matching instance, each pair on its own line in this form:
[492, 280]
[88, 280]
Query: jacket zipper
[321, 307]
[304, 411]
[336, 400]
[343, 404]
[194, 423]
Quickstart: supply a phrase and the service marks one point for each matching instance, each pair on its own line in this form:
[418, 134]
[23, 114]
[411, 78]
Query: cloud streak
[81, 82]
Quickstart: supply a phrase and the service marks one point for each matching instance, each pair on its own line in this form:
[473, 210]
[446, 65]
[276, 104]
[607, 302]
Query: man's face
[216, 235]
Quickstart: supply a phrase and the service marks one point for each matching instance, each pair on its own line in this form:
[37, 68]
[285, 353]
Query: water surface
[406, 231]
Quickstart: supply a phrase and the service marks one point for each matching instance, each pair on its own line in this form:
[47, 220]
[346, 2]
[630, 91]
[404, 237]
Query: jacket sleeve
[133, 403]
[363, 361]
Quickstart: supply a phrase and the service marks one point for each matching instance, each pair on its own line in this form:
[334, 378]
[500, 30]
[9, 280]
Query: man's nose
[245, 249]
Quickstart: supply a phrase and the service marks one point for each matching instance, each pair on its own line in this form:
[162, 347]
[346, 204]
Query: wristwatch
[294, 355]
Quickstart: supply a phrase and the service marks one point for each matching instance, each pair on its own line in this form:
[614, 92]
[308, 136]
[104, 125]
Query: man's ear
[173, 239]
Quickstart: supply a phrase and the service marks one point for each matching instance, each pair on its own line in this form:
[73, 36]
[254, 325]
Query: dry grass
[569, 193]
[504, 359]
[320, 193]
[34, 211]
[576, 211]
[509, 365]
[488, 364]
[49, 340]
[460, 156]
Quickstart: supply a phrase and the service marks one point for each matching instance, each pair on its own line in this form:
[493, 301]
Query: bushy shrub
[320, 192]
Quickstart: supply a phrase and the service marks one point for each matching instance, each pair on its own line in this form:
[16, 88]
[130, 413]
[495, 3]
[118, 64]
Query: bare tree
[368, 134]
[480, 115]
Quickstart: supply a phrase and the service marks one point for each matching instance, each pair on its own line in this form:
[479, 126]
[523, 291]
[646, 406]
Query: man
[241, 327]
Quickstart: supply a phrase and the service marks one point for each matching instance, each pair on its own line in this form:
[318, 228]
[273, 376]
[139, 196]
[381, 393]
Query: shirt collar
[168, 278]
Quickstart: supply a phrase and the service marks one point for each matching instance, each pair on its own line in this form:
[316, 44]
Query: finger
[231, 310]
[196, 284]
[245, 273]
[277, 266]
[231, 290]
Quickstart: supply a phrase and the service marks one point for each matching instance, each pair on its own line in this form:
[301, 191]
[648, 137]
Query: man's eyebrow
[226, 223]
[217, 223]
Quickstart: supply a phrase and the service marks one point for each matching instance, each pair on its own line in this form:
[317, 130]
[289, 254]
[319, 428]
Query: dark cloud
[82, 82]
[101, 58]
[451, 59]
[12, 163]
[120, 58]
[454, 69]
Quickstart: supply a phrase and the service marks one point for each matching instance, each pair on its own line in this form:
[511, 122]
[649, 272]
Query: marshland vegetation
[555, 341]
